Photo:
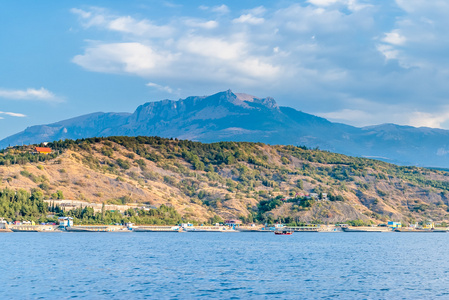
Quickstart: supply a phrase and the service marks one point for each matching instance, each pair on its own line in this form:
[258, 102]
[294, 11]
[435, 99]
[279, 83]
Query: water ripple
[223, 266]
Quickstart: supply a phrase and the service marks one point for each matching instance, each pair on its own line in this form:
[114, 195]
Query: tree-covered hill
[252, 181]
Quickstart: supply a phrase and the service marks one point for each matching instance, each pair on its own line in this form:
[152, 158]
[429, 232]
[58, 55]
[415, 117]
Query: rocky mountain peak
[243, 100]
[233, 116]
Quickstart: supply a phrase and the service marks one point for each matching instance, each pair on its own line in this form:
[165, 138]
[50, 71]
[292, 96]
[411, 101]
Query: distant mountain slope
[228, 116]
[95, 124]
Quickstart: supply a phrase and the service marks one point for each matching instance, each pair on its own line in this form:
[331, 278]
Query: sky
[359, 62]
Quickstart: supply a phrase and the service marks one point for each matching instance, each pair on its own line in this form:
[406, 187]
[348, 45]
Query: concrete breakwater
[115, 228]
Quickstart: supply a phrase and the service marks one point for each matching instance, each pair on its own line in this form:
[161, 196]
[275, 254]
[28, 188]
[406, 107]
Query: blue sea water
[224, 266]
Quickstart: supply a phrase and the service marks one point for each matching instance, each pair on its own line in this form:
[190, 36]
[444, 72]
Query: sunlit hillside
[251, 181]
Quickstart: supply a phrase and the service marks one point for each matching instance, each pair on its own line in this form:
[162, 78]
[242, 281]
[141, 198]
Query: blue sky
[360, 62]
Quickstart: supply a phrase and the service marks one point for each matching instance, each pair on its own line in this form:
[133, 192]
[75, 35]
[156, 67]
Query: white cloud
[442, 151]
[352, 5]
[256, 68]
[316, 20]
[91, 18]
[212, 47]
[83, 14]
[250, 19]
[320, 53]
[134, 58]
[388, 51]
[201, 24]
[172, 5]
[420, 34]
[423, 6]
[366, 113]
[11, 114]
[426, 119]
[160, 87]
[394, 38]
[129, 25]
[98, 17]
[41, 94]
[323, 2]
[203, 57]
[222, 9]
[258, 11]
[229, 57]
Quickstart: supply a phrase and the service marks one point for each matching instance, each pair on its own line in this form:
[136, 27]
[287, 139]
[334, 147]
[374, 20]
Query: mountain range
[228, 116]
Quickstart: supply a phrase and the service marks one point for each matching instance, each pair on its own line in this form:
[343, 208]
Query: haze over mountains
[228, 116]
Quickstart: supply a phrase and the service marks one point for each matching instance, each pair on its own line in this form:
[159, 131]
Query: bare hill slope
[253, 181]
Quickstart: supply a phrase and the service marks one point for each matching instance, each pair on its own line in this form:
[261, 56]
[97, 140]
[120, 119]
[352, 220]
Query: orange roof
[43, 149]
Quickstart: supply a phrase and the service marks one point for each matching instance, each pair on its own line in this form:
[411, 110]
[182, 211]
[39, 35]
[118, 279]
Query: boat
[365, 229]
[96, 228]
[183, 229]
[419, 230]
[309, 228]
[440, 230]
[283, 231]
[253, 230]
[33, 228]
[209, 229]
[157, 229]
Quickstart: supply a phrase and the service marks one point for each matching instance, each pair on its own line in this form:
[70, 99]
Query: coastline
[220, 228]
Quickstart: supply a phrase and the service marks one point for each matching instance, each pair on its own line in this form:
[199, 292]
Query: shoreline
[221, 229]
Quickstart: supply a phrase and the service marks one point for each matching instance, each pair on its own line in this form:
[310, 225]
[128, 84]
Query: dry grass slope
[231, 179]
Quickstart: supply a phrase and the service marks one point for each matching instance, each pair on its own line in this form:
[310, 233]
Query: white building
[65, 221]
[3, 224]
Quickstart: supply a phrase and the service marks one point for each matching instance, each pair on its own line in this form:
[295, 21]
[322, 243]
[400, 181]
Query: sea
[147, 265]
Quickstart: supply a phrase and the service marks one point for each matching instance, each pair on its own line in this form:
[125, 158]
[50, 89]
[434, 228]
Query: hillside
[253, 181]
[228, 116]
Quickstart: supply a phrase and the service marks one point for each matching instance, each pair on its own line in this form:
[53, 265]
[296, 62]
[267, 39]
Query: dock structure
[347, 228]
[161, 228]
[307, 228]
[33, 228]
[98, 228]
[181, 228]
[210, 229]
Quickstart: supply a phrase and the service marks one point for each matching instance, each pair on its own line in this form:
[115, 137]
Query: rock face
[228, 116]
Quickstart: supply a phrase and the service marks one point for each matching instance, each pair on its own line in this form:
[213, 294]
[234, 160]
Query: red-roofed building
[43, 150]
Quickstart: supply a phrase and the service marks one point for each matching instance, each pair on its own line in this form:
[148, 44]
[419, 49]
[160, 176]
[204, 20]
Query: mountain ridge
[228, 116]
